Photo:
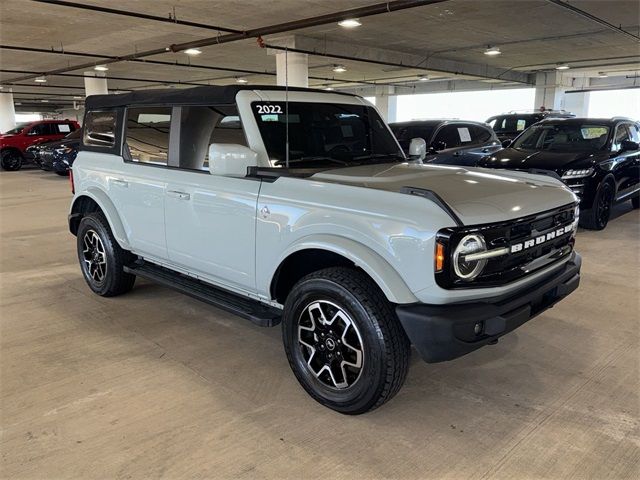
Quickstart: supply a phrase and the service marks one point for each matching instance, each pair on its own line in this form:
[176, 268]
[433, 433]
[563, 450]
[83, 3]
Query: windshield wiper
[372, 156]
[311, 159]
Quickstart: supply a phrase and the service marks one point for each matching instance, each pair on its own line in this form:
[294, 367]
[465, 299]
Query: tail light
[73, 187]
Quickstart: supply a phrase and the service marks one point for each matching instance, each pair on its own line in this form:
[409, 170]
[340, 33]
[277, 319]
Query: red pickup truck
[14, 143]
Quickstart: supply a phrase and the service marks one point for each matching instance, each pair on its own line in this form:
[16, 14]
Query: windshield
[513, 123]
[573, 137]
[321, 134]
[18, 129]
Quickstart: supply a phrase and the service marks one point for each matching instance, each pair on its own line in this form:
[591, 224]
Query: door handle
[178, 195]
[120, 182]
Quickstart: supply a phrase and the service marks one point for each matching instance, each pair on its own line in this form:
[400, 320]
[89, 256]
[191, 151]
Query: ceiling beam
[377, 9]
[142, 16]
[593, 18]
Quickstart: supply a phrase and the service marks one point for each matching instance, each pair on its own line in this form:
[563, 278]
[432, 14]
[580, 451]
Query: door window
[480, 134]
[448, 137]
[147, 135]
[634, 132]
[63, 128]
[622, 134]
[41, 129]
[99, 129]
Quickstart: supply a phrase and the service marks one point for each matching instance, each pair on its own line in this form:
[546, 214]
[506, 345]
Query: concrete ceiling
[445, 40]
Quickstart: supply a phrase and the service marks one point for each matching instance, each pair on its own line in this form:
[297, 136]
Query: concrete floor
[155, 384]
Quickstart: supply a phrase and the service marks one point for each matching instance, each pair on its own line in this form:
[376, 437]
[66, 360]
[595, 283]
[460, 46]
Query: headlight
[469, 269]
[577, 173]
[576, 219]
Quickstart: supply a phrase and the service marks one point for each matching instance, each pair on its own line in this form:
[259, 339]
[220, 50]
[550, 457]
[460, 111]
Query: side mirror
[417, 149]
[506, 143]
[231, 159]
[629, 146]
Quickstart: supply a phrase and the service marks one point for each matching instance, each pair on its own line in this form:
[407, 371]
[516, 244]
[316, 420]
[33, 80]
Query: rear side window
[147, 135]
[64, 128]
[99, 129]
[480, 134]
[450, 136]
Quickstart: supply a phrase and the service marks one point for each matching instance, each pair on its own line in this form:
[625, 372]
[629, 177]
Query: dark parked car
[509, 125]
[15, 142]
[599, 159]
[59, 156]
[449, 142]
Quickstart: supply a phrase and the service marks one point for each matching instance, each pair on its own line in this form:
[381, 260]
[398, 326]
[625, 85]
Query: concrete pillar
[292, 68]
[95, 84]
[549, 91]
[7, 111]
[577, 103]
[387, 103]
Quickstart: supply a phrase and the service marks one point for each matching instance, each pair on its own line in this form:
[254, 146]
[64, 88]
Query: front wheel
[101, 258]
[597, 217]
[343, 341]
[11, 160]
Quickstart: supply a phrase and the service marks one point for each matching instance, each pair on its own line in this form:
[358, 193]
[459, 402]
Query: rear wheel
[597, 217]
[343, 341]
[11, 160]
[635, 202]
[101, 258]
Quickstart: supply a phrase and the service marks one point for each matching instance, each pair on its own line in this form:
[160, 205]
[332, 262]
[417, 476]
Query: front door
[210, 226]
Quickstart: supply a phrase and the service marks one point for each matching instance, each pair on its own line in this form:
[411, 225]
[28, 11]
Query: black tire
[597, 217]
[11, 160]
[108, 279]
[635, 202]
[384, 347]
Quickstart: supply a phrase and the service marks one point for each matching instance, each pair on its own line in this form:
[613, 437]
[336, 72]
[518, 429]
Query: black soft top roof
[207, 94]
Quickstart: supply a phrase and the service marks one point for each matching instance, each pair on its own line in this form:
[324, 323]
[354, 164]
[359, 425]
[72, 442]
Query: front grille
[517, 263]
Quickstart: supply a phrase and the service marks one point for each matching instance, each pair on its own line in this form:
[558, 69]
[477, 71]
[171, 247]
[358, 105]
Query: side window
[99, 129]
[201, 126]
[147, 135]
[448, 137]
[621, 135]
[480, 134]
[40, 129]
[634, 132]
[63, 128]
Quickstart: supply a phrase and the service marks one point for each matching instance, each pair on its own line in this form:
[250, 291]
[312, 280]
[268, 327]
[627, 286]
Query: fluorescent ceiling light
[562, 66]
[350, 23]
[328, 88]
[423, 78]
[339, 68]
[76, 97]
[242, 80]
[602, 75]
[193, 51]
[44, 100]
[40, 80]
[101, 68]
[492, 51]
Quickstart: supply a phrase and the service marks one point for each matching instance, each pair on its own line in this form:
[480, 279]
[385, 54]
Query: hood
[475, 195]
[73, 143]
[512, 158]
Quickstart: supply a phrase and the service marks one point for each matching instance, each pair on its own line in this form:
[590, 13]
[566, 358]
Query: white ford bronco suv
[298, 206]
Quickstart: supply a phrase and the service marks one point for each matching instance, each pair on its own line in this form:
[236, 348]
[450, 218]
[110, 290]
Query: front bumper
[445, 332]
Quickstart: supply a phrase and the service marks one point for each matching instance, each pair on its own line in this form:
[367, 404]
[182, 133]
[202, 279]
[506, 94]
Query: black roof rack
[206, 94]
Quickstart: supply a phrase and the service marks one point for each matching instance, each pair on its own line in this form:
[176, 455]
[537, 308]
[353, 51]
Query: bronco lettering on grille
[532, 242]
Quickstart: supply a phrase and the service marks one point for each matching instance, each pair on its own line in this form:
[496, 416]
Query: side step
[258, 313]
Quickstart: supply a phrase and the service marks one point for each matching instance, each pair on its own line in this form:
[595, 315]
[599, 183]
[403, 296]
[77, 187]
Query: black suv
[509, 125]
[599, 159]
[449, 142]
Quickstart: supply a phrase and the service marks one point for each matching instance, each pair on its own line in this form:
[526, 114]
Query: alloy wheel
[604, 205]
[331, 344]
[94, 256]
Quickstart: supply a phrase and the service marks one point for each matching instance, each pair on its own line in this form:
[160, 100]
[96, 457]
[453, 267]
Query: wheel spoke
[330, 344]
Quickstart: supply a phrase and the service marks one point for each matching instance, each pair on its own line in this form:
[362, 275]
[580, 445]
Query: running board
[258, 313]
